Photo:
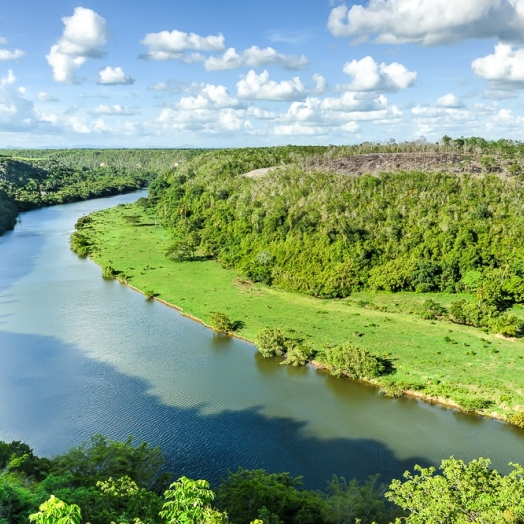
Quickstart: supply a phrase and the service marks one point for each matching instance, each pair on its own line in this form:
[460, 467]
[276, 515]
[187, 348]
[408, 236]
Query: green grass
[440, 359]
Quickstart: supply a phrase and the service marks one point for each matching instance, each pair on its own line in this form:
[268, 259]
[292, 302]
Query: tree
[189, 502]
[55, 511]
[221, 323]
[100, 458]
[352, 361]
[271, 342]
[464, 493]
[255, 494]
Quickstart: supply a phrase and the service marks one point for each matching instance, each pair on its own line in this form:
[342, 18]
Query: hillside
[34, 178]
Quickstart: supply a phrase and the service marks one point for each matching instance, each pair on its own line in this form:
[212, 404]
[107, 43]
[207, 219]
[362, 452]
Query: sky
[235, 73]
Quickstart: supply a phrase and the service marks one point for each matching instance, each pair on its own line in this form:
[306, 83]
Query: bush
[80, 244]
[517, 419]
[221, 322]
[271, 342]
[108, 272]
[432, 310]
[298, 354]
[352, 361]
[507, 325]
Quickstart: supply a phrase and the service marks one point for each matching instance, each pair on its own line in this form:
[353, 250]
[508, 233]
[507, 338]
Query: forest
[35, 178]
[310, 227]
[103, 481]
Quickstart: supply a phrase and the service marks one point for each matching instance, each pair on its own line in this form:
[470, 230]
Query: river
[81, 355]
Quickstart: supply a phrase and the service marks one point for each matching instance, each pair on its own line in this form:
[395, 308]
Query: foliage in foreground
[103, 481]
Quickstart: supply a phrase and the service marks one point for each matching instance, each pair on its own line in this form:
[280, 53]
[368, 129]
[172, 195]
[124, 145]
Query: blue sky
[236, 73]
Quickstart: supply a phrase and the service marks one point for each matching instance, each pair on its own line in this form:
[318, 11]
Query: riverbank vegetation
[103, 481]
[31, 179]
[420, 270]
[458, 364]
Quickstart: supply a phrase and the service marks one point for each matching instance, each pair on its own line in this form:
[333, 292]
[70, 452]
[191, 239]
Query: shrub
[432, 310]
[108, 272]
[220, 322]
[517, 419]
[352, 361]
[80, 244]
[271, 342]
[507, 325]
[298, 354]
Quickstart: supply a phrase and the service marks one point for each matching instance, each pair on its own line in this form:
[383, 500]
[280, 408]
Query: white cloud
[173, 45]
[321, 84]
[370, 76]
[261, 87]
[3, 41]
[209, 97]
[429, 22]
[112, 110]
[5, 54]
[84, 33]
[45, 97]
[449, 100]
[504, 68]
[158, 86]
[254, 57]
[114, 76]
[16, 112]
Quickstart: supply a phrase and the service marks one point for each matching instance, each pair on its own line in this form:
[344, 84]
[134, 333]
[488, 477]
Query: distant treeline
[34, 178]
[307, 229]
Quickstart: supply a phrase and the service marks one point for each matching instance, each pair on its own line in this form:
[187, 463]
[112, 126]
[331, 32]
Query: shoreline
[411, 394]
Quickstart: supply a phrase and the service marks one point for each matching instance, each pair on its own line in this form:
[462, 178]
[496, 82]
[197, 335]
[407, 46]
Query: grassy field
[456, 364]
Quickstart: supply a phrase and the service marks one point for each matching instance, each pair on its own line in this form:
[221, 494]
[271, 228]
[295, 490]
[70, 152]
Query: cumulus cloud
[111, 76]
[429, 22]
[449, 100]
[84, 34]
[321, 84]
[504, 68]
[16, 113]
[261, 87]
[45, 97]
[209, 97]
[5, 54]
[254, 57]
[175, 44]
[112, 110]
[368, 75]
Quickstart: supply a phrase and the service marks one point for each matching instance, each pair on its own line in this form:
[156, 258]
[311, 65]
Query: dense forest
[453, 222]
[34, 178]
[103, 481]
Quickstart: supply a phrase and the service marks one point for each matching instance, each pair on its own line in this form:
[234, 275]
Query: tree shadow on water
[53, 397]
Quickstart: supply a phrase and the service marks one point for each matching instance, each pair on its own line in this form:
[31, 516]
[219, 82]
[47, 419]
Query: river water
[81, 355]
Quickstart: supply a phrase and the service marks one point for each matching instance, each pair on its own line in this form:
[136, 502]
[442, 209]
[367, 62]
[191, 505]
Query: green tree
[352, 361]
[248, 495]
[271, 342]
[221, 323]
[189, 502]
[463, 493]
[55, 511]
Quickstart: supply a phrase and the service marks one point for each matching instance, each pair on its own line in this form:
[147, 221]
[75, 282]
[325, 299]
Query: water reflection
[82, 355]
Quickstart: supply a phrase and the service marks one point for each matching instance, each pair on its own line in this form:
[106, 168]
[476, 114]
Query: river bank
[436, 361]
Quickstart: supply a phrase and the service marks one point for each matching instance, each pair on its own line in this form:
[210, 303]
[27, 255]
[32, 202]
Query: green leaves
[352, 361]
[55, 511]
[189, 502]
[463, 493]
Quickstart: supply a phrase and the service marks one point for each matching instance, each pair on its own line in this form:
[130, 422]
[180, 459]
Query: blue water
[80, 355]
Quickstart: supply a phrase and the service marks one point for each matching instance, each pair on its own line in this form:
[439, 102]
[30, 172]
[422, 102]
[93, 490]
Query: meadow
[434, 359]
